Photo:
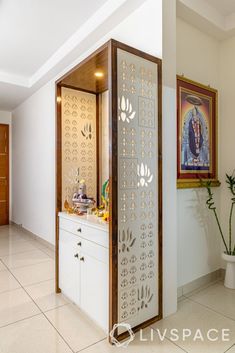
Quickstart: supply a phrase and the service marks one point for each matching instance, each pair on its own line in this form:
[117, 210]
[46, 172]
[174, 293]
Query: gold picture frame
[197, 134]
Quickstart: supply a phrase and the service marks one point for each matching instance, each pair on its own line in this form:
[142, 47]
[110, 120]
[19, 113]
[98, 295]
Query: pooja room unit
[109, 153]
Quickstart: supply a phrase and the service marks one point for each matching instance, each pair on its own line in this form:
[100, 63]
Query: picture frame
[197, 133]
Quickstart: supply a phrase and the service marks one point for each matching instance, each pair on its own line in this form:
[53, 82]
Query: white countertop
[90, 220]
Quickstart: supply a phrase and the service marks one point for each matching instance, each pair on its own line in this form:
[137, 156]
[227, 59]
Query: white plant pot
[229, 281]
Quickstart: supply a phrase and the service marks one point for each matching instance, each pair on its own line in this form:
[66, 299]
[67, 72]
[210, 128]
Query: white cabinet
[69, 269]
[94, 290]
[83, 265]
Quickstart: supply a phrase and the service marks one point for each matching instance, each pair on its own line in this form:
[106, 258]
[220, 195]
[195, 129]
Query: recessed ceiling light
[99, 74]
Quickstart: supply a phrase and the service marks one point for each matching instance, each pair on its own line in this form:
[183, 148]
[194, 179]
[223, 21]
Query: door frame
[8, 171]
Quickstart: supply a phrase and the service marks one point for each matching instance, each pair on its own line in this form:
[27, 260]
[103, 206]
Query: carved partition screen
[138, 188]
[78, 142]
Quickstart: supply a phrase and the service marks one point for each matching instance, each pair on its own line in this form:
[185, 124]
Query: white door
[94, 294]
[69, 273]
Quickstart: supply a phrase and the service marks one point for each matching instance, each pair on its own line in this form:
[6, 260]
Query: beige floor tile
[75, 327]
[143, 343]
[9, 241]
[193, 316]
[9, 232]
[15, 246]
[231, 350]
[44, 295]
[16, 305]
[218, 298]
[13, 233]
[34, 335]
[49, 252]
[7, 281]
[25, 259]
[35, 273]
[2, 266]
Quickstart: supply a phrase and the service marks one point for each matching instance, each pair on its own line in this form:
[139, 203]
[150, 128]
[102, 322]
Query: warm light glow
[58, 99]
[99, 74]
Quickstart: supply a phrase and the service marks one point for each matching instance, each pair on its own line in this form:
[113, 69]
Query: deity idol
[195, 144]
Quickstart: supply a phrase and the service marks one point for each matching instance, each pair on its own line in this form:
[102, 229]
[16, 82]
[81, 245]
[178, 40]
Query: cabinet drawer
[79, 244]
[84, 231]
[96, 251]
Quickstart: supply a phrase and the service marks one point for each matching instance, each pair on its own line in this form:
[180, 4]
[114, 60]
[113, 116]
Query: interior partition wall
[134, 92]
[136, 188]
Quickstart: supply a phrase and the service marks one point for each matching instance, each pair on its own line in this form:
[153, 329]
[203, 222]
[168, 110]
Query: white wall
[169, 159]
[227, 125]
[198, 237]
[33, 146]
[5, 118]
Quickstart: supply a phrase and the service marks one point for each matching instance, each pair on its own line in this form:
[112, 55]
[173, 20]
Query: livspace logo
[126, 327]
[174, 334]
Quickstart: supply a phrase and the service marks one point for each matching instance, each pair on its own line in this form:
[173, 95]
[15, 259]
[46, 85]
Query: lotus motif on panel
[126, 112]
[144, 174]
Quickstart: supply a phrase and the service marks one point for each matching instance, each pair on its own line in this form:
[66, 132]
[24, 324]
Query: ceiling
[225, 7]
[41, 38]
[32, 30]
[215, 17]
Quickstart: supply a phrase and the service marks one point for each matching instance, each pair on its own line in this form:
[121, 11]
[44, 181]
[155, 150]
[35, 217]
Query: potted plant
[229, 253]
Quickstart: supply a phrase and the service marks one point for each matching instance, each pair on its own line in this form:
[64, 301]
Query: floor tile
[231, 350]
[25, 259]
[15, 246]
[16, 305]
[13, 232]
[34, 335]
[9, 232]
[218, 298]
[143, 343]
[193, 316]
[2, 266]
[49, 252]
[44, 295]
[7, 281]
[75, 327]
[35, 273]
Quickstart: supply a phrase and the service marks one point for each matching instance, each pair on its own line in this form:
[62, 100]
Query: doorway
[4, 174]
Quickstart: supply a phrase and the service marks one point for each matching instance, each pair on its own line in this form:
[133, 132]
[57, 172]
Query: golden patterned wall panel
[78, 142]
[137, 189]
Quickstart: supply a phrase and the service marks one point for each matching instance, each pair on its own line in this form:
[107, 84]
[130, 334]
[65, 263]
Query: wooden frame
[206, 104]
[112, 46]
[8, 171]
[113, 230]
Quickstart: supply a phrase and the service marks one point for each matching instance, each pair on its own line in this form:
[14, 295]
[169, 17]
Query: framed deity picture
[197, 134]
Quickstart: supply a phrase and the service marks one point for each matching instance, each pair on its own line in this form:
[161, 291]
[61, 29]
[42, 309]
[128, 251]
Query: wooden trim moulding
[58, 181]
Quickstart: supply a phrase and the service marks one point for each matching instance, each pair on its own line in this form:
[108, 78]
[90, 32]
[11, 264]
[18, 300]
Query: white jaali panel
[78, 142]
[137, 189]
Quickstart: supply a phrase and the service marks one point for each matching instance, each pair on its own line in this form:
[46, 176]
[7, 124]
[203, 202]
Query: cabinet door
[94, 289]
[69, 266]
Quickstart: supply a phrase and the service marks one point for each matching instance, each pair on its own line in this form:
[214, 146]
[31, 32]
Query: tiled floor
[33, 319]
